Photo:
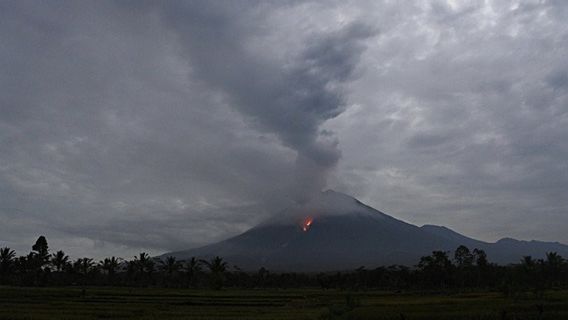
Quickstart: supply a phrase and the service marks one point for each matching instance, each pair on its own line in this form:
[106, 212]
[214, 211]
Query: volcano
[337, 232]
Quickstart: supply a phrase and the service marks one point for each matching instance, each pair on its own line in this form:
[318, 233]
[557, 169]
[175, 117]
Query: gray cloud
[467, 113]
[128, 126]
[288, 98]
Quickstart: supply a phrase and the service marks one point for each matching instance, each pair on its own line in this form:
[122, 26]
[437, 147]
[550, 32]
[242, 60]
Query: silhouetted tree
[528, 263]
[7, 256]
[170, 265]
[481, 262]
[262, 276]
[110, 267]
[131, 270]
[145, 267]
[464, 263]
[142, 262]
[191, 268]
[553, 267]
[41, 248]
[436, 271]
[59, 260]
[83, 266]
[463, 257]
[530, 276]
[437, 268]
[170, 268]
[217, 268]
[480, 258]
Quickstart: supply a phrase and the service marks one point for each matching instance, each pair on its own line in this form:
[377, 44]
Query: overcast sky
[158, 126]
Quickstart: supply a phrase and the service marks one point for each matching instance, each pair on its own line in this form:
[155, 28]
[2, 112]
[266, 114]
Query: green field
[149, 303]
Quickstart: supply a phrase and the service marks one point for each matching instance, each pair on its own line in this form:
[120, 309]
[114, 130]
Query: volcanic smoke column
[290, 99]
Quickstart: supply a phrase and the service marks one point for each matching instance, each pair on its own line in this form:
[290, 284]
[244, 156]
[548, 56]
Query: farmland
[159, 303]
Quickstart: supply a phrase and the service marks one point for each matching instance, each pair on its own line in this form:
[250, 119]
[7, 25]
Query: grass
[154, 303]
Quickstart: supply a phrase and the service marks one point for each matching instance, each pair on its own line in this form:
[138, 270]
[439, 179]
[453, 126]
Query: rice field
[154, 303]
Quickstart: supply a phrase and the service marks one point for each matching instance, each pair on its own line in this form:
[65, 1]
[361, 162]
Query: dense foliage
[464, 270]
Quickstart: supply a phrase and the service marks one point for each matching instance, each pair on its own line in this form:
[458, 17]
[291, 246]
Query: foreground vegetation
[443, 285]
[161, 303]
[462, 271]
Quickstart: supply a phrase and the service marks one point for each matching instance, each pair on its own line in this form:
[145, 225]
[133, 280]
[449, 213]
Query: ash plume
[290, 99]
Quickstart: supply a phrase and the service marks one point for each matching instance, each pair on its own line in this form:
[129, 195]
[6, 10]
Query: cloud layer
[145, 126]
[289, 98]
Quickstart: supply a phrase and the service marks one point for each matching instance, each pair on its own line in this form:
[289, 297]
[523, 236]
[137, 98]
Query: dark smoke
[290, 100]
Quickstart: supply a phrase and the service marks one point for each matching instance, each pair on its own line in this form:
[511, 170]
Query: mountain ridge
[335, 231]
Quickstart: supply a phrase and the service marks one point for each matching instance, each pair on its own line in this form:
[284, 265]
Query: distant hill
[336, 232]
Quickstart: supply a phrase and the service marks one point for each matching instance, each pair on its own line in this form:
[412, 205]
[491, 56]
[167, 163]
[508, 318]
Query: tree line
[464, 269]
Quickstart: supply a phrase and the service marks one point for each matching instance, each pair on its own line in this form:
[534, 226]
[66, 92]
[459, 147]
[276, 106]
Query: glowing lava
[307, 223]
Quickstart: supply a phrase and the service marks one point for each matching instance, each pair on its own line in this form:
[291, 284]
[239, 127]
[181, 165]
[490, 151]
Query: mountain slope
[504, 251]
[452, 236]
[344, 234]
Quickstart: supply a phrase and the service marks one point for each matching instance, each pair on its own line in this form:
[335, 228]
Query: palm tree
[131, 267]
[110, 265]
[554, 260]
[191, 268]
[141, 261]
[170, 265]
[553, 266]
[144, 262]
[528, 262]
[59, 260]
[7, 256]
[83, 265]
[217, 267]
[145, 265]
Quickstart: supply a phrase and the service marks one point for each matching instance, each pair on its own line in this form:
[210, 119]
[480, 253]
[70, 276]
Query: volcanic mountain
[337, 232]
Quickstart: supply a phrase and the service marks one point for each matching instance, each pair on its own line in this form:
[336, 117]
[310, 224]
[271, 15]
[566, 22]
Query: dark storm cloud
[128, 126]
[101, 122]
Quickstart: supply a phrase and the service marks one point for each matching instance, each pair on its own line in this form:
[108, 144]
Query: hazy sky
[130, 125]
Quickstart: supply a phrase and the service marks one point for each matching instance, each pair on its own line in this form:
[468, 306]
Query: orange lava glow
[307, 223]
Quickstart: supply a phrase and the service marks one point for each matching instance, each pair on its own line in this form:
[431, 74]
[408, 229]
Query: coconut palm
[528, 262]
[217, 267]
[7, 256]
[191, 269]
[553, 266]
[83, 265]
[554, 260]
[170, 265]
[110, 265]
[144, 263]
[145, 267]
[59, 260]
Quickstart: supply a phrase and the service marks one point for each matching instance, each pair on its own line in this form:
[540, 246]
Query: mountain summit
[335, 232]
